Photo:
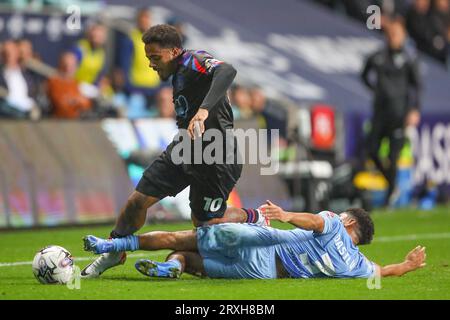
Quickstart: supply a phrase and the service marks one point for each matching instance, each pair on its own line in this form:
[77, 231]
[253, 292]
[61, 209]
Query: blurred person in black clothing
[18, 87]
[419, 25]
[439, 21]
[358, 8]
[448, 48]
[440, 15]
[392, 74]
[274, 115]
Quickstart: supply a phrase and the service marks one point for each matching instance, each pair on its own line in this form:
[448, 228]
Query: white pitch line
[423, 236]
[77, 259]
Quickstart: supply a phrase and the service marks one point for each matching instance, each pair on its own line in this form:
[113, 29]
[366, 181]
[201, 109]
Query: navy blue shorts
[210, 184]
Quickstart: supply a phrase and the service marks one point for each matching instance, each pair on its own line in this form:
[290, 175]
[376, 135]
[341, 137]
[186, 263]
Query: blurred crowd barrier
[57, 172]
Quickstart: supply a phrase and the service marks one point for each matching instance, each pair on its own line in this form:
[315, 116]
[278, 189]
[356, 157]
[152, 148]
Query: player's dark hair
[163, 34]
[365, 228]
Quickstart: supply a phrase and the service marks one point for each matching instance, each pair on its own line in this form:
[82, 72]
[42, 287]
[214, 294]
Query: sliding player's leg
[176, 263]
[151, 241]
[230, 237]
[191, 261]
[229, 250]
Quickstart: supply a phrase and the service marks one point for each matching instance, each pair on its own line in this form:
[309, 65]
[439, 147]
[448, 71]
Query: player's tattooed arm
[414, 260]
[303, 220]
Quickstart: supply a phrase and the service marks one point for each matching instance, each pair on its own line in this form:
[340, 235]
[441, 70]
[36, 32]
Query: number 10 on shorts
[212, 205]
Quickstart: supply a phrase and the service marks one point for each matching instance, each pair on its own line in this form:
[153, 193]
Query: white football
[53, 264]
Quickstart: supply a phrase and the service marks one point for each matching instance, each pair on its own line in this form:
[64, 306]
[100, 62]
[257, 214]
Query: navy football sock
[252, 215]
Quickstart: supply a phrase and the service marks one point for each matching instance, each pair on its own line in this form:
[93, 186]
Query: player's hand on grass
[416, 258]
[200, 117]
[273, 212]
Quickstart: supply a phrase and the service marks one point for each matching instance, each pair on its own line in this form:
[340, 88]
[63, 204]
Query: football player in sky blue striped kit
[321, 245]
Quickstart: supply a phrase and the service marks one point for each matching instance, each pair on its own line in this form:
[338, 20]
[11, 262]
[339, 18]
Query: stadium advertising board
[431, 148]
[47, 179]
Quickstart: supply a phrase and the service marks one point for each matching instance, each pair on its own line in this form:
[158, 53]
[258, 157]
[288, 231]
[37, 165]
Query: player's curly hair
[365, 228]
[163, 34]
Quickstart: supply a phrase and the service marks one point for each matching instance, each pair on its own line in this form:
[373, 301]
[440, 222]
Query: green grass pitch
[396, 233]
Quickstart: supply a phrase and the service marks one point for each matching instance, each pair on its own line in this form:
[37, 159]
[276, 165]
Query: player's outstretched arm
[303, 220]
[414, 260]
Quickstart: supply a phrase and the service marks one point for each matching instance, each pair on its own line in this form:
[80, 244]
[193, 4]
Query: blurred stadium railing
[59, 172]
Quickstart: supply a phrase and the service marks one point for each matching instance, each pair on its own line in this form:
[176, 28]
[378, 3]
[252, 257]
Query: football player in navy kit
[200, 85]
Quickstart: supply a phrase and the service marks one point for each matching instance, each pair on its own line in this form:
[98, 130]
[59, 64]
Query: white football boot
[103, 263]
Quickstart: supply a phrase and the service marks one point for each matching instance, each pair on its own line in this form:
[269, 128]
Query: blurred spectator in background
[273, 115]
[38, 71]
[419, 26]
[63, 91]
[140, 83]
[91, 55]
[241, 102]
[179, 25]
[164, 103]
[440, 20]
[448, 47]
[18, 88]
[426, 20]
[392, 74]
[26, 51]
[395, 7]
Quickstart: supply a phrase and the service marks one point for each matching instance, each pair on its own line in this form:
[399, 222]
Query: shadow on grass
[148, 279]
[202, 281]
